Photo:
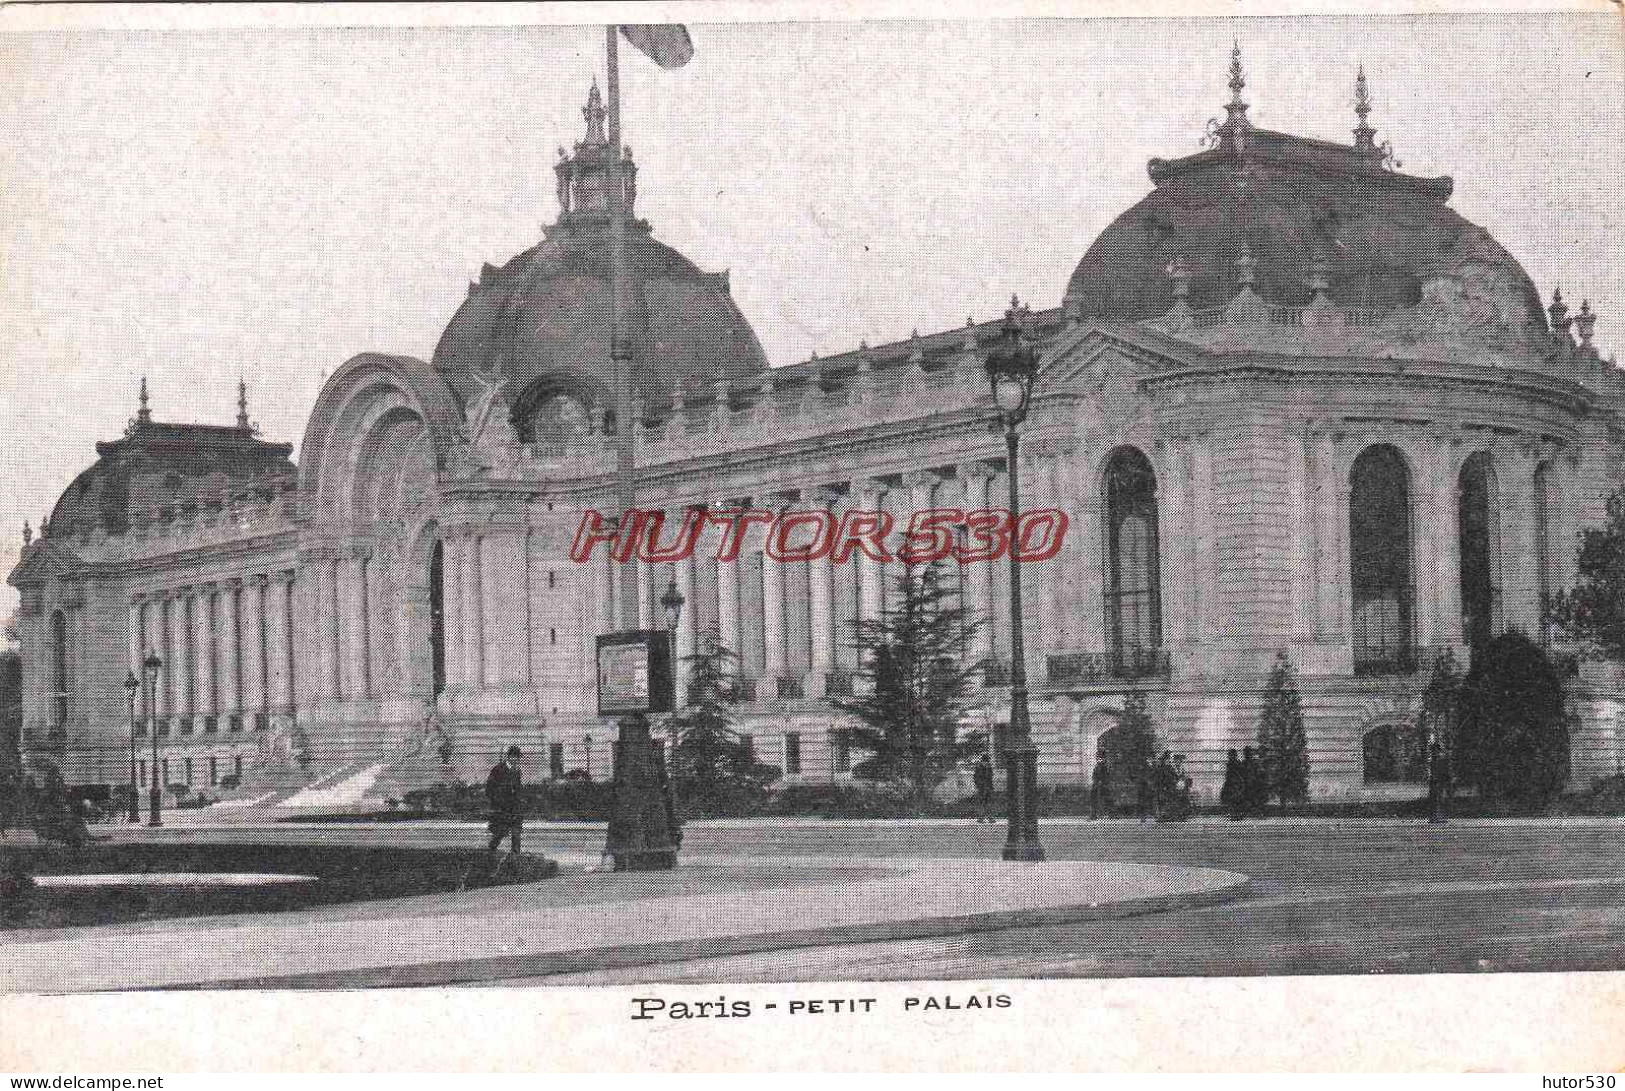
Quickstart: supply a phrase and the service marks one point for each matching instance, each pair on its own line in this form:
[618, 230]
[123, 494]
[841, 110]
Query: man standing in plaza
[502, 792]
[1438, 783]
[983, 776]
[1099, 796]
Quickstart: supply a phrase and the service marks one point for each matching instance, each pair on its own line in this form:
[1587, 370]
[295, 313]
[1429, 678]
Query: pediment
[1095, 357]
[42, 561]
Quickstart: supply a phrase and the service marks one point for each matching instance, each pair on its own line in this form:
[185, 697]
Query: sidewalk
[587, 920]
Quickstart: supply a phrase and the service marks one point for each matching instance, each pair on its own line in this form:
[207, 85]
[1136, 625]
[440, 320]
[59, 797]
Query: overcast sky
[195, 206]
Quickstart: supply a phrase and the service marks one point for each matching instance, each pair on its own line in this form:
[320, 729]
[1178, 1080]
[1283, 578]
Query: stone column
[182, 645]
[1563, 491]
[1178, 553]
[1300, 607]
[728, 600]
[1205, 541]
[641, 582]
[974, 478]
[820, 612]
[137, 643]
[351, 600]
[1038, 580]
[772, 605]
[205, 650]
[229, 687]
[1331, 513]
[1521, 584]
[169, 690]
[471, 623]
[251, 630]
[278, 648]
[683, 572]
[870, 592]
[504, 606]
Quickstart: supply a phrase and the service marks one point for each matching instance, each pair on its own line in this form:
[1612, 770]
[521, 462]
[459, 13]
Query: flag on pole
[667, 44]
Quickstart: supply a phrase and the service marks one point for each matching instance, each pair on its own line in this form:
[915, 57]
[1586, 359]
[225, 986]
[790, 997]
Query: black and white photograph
[760, 514]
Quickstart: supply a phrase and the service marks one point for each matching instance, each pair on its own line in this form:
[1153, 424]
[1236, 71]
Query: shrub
[1512, 733]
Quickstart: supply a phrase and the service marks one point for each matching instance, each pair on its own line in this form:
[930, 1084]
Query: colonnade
[226, 648]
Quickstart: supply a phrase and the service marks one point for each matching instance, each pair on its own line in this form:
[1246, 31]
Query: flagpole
[620, 343]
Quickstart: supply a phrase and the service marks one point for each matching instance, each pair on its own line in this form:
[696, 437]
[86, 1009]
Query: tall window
[1133, 572]
[437, 617]
[1380, 562]
[59, 671]
[1480, 597]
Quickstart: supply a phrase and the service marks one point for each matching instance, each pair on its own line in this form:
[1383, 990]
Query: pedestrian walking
[502, 792]
[1164, 782]
[1439, 783]
[1230, 792]
[1099, 792]
[983, 777]
[1145, 788]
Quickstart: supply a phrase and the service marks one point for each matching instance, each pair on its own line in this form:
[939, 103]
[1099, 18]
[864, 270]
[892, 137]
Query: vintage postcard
[1066, 527]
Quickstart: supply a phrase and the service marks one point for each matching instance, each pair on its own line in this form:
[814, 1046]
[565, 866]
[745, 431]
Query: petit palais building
[1290, 401]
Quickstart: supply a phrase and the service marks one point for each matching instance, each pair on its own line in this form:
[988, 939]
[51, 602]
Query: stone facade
[403, 605]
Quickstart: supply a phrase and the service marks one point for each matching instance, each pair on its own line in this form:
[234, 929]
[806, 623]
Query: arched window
[1544, 573]
[1133, 569]
[1380, 562]
[1480, 597]
[59, 671]
[437, 616]
[555, 423]
[1395, 754]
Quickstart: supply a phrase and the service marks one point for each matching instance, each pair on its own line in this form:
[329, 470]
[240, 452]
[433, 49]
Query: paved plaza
[784, 900]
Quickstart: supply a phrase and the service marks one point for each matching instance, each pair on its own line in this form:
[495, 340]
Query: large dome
[1387, 240]
[542, 321]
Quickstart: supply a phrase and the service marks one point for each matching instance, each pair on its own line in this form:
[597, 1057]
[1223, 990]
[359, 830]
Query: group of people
[1246, 789]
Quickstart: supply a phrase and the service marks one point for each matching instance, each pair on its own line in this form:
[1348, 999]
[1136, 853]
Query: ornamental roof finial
[1364, 134]
[28, 533]
[242, 403]
[595, 113]
[1237, 106]
[143, 415]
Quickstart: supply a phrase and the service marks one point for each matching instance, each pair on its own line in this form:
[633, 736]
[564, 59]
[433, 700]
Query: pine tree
[1283, 747]
[714, 768]
[913, 656]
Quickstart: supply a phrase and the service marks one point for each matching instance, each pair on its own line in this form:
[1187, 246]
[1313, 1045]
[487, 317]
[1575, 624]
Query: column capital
[824, 496]
[871, 486]
[979, 470]
[922, 479]
[780, 499]
[232, 583]
[285, 575]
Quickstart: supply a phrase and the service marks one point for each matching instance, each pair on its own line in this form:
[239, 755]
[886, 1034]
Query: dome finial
[1364, 134]
[1237, 106]
[595, 113]
[242, 403]
[143, 415]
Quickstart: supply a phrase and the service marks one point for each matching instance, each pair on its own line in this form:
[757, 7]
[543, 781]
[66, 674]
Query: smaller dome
[160, 465]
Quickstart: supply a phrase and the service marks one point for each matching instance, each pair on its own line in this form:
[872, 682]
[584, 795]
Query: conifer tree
[1593, 613]
[1140, 743]
[1283, 747]
[714, 768]
[913, 656]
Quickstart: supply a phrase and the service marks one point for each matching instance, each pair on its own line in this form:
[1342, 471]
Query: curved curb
[497, 968]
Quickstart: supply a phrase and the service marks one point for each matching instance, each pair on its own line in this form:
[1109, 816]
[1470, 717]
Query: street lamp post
[1012, 366]
[130, 687]
[671, 605]
[150, 667]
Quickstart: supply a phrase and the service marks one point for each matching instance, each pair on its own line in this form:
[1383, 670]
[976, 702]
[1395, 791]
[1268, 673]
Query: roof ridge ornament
[594, 113]
[1236, 123]
[242, 405]
[1364, 135]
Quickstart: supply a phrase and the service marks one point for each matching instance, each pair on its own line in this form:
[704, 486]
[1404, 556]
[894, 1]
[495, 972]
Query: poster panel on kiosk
[634, 673]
